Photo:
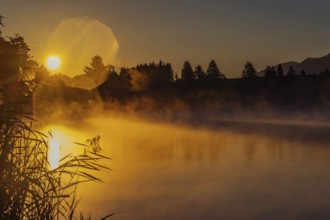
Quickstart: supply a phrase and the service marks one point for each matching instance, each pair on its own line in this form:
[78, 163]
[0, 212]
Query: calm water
[245, 171]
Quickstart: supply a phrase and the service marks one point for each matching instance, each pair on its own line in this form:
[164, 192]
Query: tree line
[20, 74]
[194, 88]
[159, 75]
[154, 87]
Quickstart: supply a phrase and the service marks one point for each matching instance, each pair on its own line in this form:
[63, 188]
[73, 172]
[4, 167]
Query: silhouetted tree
[27, 66]
[176, 77]
[9, 70]
[326, 72]
[97, 68]
[199, 72]
[17, 68]
[117, 86]
[291, 71]
[123, 74]
[1, 24]
[270, 72]
[165, 74]
[157, 75]
[279, 71]
[249, 71]
[213, 71]
[187, 73]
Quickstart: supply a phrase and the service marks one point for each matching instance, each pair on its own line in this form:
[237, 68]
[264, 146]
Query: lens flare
[78, 40]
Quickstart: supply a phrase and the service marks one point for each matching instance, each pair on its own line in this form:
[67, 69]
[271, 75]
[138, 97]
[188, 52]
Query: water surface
[244, 171]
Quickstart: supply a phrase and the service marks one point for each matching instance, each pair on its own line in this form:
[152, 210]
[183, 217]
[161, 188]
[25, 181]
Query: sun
[53, 62]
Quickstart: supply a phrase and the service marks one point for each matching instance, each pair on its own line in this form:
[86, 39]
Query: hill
[309, 65]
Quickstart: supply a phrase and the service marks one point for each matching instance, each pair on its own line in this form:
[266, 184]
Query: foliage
[97, 71]
[1, 24]
[270, 72]
[200, 73]
[29, 188]
[303, 73]
[20, 74]
[249, 71]
[118, 85]
[291, 71]
[326, 72]
[280, 71]
[96, 67]
[213, 71]
[187, 73]
[156, 75]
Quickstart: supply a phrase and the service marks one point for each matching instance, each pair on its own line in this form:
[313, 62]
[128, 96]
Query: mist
[206, 147]
[196, 163]
[84, 137]
[230, 171]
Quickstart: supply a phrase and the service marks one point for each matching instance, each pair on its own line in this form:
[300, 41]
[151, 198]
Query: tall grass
[29, 189]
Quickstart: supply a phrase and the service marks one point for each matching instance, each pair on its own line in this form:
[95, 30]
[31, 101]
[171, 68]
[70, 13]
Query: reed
[29, 189]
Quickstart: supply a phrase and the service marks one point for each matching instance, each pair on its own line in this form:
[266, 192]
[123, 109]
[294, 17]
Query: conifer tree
[279, 71]
[249, 71]
[187, 72]
[270, 72]
[213, 71]
[291, 71]
[199, 72]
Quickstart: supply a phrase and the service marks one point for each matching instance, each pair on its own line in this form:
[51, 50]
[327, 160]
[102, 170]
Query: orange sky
[231, 32]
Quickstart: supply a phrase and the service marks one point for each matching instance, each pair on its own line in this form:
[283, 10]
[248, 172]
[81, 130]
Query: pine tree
[249, 71]
[291, 71]
[1, 24]
[199, 72]
[213, 71]
[187, 72]
[279, 71]
[270, 72]
[97, 68]
[176, 77]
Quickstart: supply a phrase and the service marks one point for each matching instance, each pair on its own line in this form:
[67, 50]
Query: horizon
[231, 33]
[163, 108]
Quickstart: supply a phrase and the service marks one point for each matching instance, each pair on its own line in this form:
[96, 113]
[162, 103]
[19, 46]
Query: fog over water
[230, 170]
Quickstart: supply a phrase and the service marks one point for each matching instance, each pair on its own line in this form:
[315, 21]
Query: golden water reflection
[169, 172]
[53, 152]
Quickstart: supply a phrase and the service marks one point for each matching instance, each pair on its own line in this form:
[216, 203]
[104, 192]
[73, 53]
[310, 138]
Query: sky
[265, 32]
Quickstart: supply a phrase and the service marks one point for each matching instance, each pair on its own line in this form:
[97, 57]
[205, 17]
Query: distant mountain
[309, 65]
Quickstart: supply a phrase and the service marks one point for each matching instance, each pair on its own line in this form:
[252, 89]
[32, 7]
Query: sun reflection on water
[168, 168]
[54, 152]
[60, 143]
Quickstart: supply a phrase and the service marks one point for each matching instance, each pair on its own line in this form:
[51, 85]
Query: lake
[229, 170]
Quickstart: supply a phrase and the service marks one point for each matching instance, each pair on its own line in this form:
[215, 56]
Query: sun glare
[54, 153]
[53, 62]
[88, 37]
